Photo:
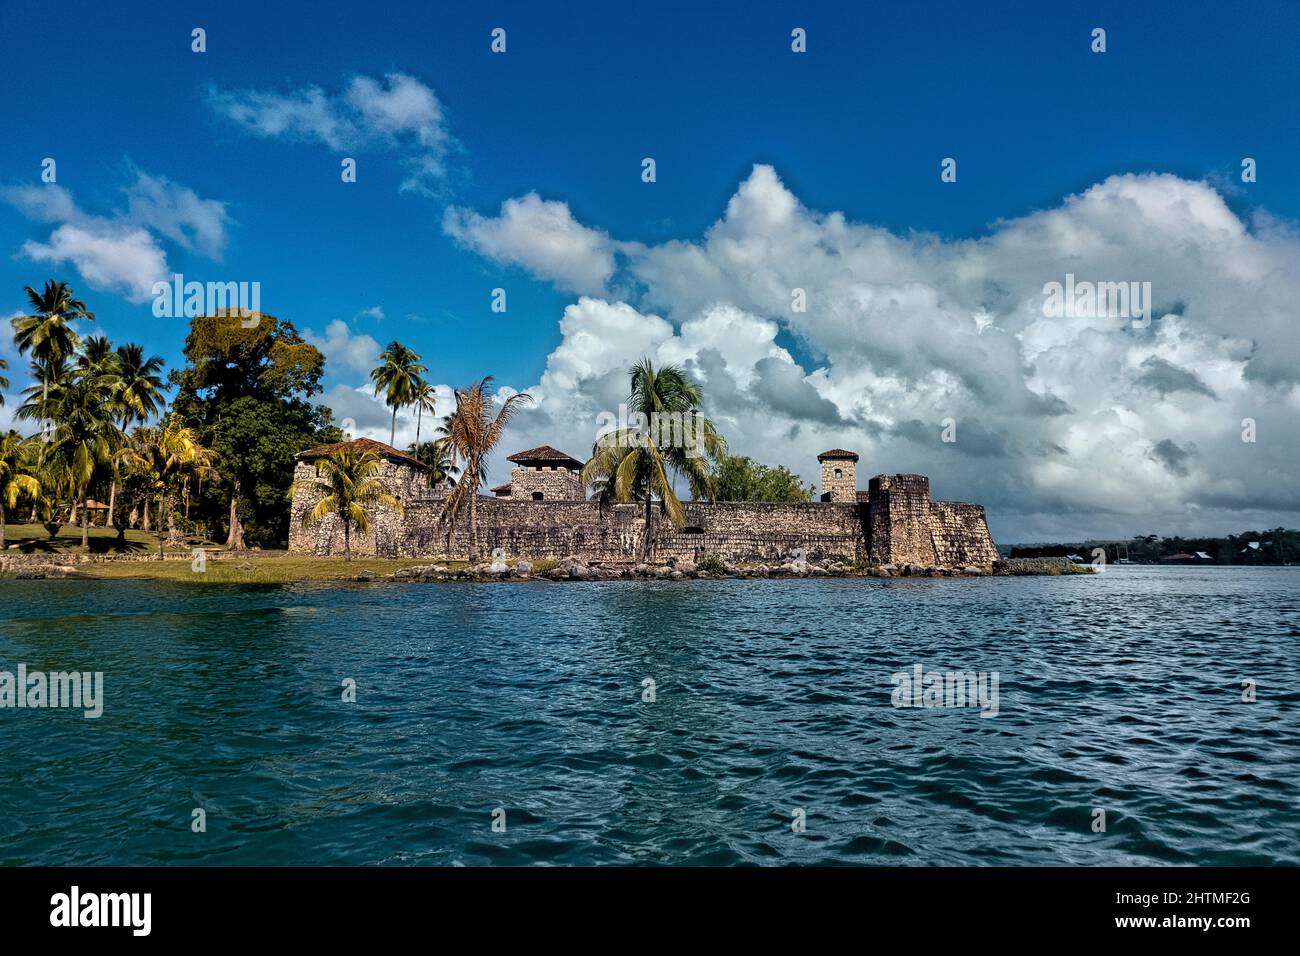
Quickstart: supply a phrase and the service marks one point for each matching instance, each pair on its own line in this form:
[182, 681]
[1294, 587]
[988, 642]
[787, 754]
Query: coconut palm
[437, 460]
[472, 433]
[137, 385]
[17, 461]
[164, 455]
[84, 438]
[424, 398]
[347, 482]
[396, 377]
[4, 382]
[46, 333]
[637, 464]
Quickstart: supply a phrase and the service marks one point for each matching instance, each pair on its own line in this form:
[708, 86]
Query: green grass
[34, 539]
[267, 567]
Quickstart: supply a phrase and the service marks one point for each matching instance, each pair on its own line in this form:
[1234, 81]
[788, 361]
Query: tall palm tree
[472, 433]
[636, 464]
[347, 482]
[4, 382]
[423, 397]
[84, 438]
[17, 459]
[396, 377]
[95, 356]
[46, 332]
[137, 386]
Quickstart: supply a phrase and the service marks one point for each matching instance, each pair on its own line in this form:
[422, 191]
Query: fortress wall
[960, 533]
[900, 520]
[540, 530]
[899, 525]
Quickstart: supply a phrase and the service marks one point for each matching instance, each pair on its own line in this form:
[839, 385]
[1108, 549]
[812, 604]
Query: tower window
[537, 496]
[839, 473]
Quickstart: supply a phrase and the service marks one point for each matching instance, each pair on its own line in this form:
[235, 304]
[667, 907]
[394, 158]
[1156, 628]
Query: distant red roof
[500, 489]
[838, 453]
[359, 445]
[544, 455]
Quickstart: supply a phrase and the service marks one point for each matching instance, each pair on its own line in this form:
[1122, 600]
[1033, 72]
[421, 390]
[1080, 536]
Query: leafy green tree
[398, 378]
[636, 464]
[245, 391]
[349, 486]
[740, 478]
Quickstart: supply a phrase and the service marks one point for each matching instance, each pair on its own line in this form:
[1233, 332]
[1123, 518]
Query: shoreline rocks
[573, 568]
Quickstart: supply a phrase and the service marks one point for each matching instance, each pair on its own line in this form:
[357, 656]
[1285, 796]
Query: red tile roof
[836, 453]
[359, 445]
[544, 455]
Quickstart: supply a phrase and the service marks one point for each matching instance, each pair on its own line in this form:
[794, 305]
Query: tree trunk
[235, 540]
[645, 540]
[347, 541]
[85, 519]
[392, 432]
[419, 414]
[160, 527]
[473, 520]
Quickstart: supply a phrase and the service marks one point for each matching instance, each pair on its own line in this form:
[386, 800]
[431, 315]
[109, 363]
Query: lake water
[1120, 692]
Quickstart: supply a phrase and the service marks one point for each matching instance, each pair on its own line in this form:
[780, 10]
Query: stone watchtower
[544, 474]
[839, 475]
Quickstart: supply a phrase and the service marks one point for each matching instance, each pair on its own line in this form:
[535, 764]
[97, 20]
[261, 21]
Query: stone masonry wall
[899, 525]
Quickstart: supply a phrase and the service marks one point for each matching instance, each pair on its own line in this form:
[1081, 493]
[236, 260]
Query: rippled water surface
[1120, 691]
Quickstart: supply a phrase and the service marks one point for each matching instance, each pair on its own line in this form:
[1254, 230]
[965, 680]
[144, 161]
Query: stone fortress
[543, 513]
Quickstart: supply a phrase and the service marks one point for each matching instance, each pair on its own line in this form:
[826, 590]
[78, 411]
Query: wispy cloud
[121, 252]
[399, 114]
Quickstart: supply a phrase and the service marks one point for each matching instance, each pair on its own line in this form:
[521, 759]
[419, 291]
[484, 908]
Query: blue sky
[857, 125]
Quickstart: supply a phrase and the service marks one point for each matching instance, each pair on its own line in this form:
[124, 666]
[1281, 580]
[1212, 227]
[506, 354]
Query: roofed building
[545, 474]
[839, 475]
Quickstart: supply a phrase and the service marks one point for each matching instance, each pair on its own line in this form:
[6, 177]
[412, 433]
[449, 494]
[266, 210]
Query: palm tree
[636, 464]
[348, 484]
[46, 333]
[4, 382]
[95, 357]
[165, 454]
[397, 378]
[137, 385]
[84, 438]
[472, 433]
[437, 459]
[423, 397]
[16, 479]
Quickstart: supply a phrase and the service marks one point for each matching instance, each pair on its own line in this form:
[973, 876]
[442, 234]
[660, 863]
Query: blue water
[1120, 692]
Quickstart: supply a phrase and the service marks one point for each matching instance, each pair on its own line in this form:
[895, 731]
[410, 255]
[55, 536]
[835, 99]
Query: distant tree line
[1278, 546]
